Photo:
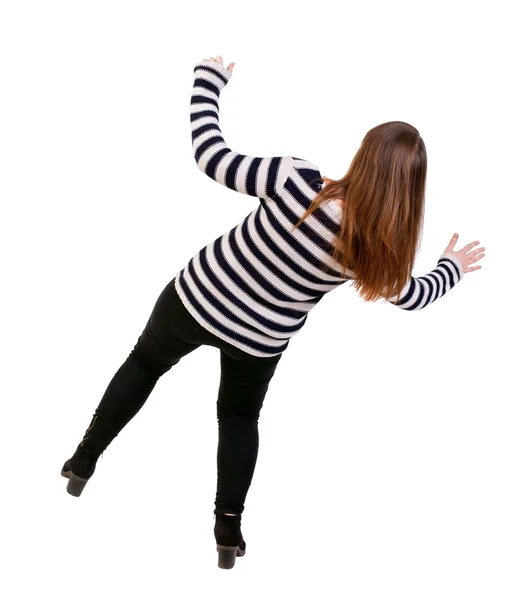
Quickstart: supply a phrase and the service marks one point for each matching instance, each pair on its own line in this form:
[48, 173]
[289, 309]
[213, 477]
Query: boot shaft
[227, 530]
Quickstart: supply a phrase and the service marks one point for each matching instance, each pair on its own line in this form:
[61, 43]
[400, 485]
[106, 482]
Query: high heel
[80, 468]
[230, 542]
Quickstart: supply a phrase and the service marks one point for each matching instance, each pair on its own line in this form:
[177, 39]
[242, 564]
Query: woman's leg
[158, 349]
[242, 390]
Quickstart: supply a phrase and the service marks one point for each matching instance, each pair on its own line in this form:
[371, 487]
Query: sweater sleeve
[252, 175]
[422, 291]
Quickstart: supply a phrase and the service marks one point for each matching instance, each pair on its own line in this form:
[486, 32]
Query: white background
[394, 445]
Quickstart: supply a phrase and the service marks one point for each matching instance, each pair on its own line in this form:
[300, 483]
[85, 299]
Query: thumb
[452, 243]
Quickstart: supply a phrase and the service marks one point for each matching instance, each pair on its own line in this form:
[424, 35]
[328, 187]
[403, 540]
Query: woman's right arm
[422, 291]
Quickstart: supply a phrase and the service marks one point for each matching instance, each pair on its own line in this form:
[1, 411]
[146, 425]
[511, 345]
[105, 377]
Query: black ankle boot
[80, 468]
[230, 542]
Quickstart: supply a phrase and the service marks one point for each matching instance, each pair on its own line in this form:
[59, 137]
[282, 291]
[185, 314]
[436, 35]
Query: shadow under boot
[80, 468]
[230, 542]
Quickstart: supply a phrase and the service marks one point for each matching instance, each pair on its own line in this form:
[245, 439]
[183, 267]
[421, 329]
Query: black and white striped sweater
[254, 285]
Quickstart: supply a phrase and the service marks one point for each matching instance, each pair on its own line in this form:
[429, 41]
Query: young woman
[249, 291]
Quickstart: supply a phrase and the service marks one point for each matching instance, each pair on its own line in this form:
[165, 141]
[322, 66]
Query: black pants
[170, 333]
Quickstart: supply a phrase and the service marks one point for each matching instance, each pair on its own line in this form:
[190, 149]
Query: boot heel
[75, 485]
[227, 556]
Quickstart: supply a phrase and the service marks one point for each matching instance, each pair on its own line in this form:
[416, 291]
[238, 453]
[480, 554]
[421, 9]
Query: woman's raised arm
[252, 175]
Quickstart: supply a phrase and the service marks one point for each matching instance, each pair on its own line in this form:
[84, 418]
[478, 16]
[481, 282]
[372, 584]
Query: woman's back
[268, 276]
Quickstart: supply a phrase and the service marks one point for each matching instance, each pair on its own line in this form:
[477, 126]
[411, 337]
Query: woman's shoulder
[303, 163]
[338, 201]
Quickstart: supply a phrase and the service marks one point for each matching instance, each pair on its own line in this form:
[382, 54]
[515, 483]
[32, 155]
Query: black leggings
[170, 333]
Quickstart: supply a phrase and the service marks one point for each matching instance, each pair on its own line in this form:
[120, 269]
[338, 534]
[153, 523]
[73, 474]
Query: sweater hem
[203, 323]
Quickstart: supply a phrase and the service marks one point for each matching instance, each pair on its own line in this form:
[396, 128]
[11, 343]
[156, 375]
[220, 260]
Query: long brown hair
[384, 202]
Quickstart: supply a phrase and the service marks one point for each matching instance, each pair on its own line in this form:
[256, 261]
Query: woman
[250, 290]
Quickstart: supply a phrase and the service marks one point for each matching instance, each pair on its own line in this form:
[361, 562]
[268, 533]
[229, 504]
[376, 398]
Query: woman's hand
[219, 59]
[465, 258]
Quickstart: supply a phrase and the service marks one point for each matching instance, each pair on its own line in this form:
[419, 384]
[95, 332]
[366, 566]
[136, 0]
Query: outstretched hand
[465, 256]
[219, 59]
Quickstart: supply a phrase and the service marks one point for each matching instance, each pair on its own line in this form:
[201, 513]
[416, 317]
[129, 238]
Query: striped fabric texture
[254, 285]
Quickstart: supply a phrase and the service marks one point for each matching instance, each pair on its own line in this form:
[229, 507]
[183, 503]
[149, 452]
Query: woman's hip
[171, 312]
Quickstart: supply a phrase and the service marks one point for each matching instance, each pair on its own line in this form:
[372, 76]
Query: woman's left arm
[252, 175]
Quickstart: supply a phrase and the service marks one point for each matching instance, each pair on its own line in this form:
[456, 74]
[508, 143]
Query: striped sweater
[254, 285]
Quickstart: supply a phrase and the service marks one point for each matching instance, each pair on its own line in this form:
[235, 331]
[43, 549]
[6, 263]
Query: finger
[475, 258]
[472, 269]
[476, 251]
[452, 243]
[469, 246]
[231, 66]
[220, 59]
